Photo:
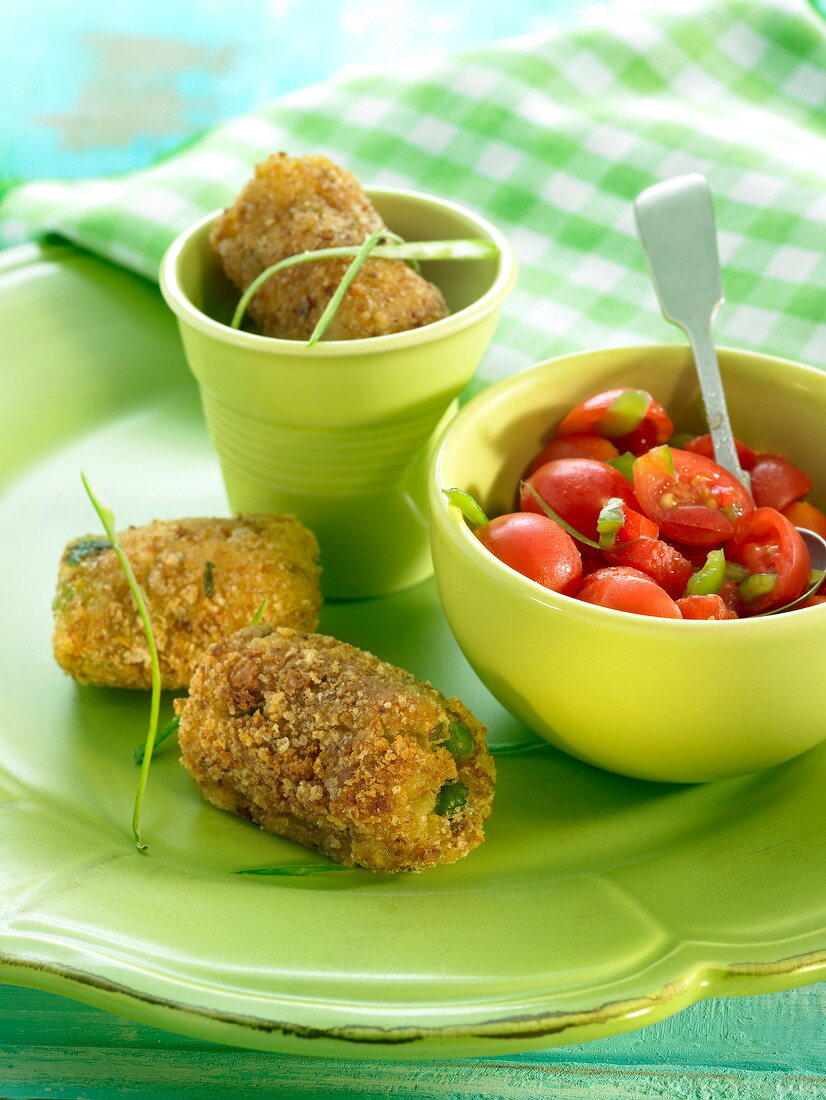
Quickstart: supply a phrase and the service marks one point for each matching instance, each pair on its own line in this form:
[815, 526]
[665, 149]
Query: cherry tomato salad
[619, 512]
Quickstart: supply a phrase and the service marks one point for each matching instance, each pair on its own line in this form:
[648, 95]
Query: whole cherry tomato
[702, 445]
[770, 545]
[575, 446]
[691, 498]
[628, 590]
[576, 489]
[777, 483]
[711, 606]
[536, 547]
[632, 418]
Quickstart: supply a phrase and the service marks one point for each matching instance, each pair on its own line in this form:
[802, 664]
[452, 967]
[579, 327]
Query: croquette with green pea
[202, 578]
[326, 744]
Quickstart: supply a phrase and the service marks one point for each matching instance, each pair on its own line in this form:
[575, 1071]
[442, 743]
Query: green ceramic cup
[660, 699]
[340, 434]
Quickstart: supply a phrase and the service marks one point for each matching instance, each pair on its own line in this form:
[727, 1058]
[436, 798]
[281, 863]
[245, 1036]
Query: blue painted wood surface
[744, 1048]
[96, 89]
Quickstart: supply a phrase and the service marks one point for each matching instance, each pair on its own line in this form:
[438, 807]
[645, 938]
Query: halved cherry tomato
[642, 439]
[777, 483]
[691, 498]
[575, 446]
[628, 590]
[711, 606]
[536, 547]
[702, 445]
[618, 413]
[576, 489]
[803, 514]
[770, 544]
[662, 563]
[728, 594]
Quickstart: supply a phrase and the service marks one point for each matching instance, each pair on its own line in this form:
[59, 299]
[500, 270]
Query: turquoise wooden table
[746, 1048]
[122, 87]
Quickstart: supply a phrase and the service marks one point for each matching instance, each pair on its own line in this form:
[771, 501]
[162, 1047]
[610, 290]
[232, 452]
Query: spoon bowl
[816, 546]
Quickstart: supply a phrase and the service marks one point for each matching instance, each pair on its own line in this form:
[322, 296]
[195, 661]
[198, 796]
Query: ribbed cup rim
[186, 311]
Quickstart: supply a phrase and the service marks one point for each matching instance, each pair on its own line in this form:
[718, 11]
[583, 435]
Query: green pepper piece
[736, 572]
[624, 463]
[625, 413]
[611, 518]
[450, 799]
[459, 741]
[756, 585]
[709, 578]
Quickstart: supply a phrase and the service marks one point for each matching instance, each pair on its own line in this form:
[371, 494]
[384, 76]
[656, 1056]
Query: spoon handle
[675, 224]
[714, 400]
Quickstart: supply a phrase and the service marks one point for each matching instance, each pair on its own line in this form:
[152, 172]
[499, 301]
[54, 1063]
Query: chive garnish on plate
[108, 520]
[164, 733]
[171, 727]
[294, 869]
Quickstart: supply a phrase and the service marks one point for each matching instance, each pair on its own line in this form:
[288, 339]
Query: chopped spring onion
[625, 464]
[609, 521]
[467, 505]
[624, 414]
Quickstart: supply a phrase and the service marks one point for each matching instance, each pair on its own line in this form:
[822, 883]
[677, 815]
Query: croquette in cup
[302, 204]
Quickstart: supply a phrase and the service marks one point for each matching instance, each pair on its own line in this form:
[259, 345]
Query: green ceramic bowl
[680, 701]
[340, 434]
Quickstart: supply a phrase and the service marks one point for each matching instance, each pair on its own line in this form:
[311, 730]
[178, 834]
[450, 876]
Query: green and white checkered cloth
[551, 137]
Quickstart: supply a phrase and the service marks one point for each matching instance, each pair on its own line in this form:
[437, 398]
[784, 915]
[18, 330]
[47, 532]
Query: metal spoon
[675, 224]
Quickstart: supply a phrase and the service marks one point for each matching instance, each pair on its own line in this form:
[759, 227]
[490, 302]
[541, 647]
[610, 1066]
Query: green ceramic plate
[597, 904]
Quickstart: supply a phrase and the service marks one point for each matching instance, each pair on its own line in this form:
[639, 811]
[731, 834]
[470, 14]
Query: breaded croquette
[202, 578]
[301, 204]
[324, 743]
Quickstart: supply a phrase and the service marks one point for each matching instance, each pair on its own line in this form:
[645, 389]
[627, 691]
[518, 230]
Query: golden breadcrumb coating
[324, 743]
[203, 579]
[300, 204]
